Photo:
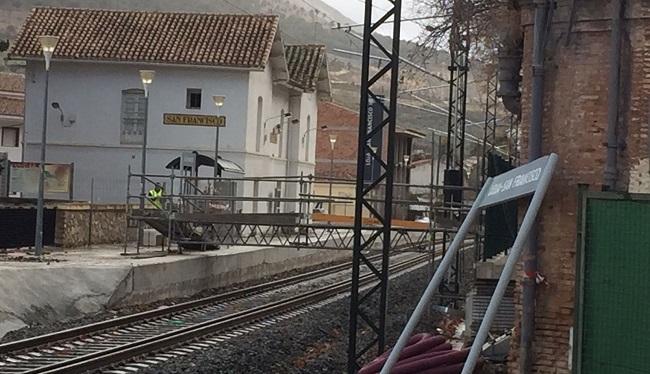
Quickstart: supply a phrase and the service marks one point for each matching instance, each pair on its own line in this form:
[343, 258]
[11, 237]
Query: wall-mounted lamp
[308, 130]
[56, 106]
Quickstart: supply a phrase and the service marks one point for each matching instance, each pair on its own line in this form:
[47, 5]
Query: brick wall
[344, 123]
[575, 123]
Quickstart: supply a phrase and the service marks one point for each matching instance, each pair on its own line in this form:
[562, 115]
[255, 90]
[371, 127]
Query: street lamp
[304, 135]
[48, 45]
[146, 76]
[218, 103]
[332, 143]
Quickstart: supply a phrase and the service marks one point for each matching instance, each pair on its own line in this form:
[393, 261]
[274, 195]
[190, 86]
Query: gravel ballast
[314, 342]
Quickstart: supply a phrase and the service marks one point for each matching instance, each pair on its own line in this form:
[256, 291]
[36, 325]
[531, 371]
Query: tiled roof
[12, 82]
[242, 41]
[304, 63]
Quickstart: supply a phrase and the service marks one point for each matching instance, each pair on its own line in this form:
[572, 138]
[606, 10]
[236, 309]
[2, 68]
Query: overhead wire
[282, 32]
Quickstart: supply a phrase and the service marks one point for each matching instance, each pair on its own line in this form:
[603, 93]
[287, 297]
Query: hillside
[302, 21]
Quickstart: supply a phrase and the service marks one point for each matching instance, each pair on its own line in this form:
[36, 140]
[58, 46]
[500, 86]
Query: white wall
[92, 93]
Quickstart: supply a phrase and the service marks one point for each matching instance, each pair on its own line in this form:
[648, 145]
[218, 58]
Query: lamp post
[146, 76]
[332, 143]
[48, 44]
[218, 102]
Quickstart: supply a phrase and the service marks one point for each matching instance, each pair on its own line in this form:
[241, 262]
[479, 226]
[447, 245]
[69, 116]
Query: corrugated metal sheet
[479, 301]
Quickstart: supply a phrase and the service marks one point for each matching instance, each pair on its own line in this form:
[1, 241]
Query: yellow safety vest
[154, 196]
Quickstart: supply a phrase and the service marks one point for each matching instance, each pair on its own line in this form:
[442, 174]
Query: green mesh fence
[616, 318]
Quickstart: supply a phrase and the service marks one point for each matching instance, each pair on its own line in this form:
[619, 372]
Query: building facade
[12, 101]
[340, 161]
[575, 121]
[271, 94]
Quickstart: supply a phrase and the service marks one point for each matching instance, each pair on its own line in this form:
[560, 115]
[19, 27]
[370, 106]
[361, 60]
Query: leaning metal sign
[516, 183]
[194, 120]
[532, 178]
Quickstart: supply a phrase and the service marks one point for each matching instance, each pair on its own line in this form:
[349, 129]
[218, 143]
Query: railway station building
[271, 94]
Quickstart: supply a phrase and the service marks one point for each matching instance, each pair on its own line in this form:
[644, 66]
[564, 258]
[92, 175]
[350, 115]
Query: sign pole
[513, 257]
[216, 158]
[532, 178]
[40, 205]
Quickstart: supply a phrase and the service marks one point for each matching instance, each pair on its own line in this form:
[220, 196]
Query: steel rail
[75, 332]
[101, 359]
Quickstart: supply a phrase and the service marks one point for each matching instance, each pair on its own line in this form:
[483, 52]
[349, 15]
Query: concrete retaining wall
[148, 283]
[41, 293]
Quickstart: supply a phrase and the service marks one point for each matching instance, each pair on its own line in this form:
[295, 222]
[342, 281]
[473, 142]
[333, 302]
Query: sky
[354, 9]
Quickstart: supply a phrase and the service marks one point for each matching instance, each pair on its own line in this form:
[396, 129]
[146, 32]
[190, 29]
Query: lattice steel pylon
[455, 157]
[369, 307]
[458, 74]
[490, 129]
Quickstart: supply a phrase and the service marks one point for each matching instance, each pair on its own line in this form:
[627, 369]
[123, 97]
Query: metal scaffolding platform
[190, 218]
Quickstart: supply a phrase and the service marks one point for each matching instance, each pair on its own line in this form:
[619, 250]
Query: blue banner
[372, 168]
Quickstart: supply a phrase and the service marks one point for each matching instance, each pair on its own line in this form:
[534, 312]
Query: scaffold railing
[201, 213]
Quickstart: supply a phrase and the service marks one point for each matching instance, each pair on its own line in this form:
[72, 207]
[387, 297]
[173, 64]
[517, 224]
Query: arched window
[307, 138]
[132, 116]
[260, 131]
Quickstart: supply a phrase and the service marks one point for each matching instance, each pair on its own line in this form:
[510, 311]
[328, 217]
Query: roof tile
[304, 63]
[174, 38]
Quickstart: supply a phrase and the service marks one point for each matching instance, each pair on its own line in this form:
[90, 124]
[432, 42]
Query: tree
[488, 23]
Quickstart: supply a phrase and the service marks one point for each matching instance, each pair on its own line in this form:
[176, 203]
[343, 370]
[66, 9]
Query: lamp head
[48, 45]
[218, 100]
[56, 105]
[332, 140]
[146, 76]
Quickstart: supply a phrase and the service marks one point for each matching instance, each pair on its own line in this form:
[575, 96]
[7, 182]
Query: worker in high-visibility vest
[155, 196]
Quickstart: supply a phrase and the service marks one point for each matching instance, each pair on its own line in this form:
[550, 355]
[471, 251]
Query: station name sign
[193, 120]
[516, 183]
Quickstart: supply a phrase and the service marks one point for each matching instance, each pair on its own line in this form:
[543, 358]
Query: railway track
[109, 342]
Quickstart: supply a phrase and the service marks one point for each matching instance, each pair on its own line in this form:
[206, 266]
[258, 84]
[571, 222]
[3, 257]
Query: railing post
[126, 209]
[170, 203]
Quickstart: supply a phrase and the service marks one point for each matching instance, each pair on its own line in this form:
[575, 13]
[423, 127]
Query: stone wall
[575, 127]
[73, 223]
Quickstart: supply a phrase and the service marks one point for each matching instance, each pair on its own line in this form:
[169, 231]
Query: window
[193, 98]
[132, 118]
[10, 136]
[260, 131]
